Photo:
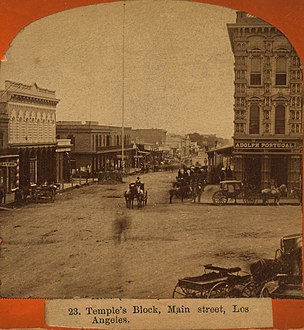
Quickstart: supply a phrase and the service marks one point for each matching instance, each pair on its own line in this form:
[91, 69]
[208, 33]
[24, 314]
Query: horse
[180, 191]
[134, 192]
[274, 193]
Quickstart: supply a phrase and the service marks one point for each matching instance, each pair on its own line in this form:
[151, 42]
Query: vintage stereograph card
[151, 164]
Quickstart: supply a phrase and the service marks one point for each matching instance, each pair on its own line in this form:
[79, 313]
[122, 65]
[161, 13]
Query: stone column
[265, 177]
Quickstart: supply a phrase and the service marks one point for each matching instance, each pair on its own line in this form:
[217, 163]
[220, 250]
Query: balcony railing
[112, 148]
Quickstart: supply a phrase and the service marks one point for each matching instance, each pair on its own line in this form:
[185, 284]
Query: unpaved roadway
[68, 249]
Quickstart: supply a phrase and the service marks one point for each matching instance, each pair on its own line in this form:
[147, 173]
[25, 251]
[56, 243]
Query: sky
[175, 70]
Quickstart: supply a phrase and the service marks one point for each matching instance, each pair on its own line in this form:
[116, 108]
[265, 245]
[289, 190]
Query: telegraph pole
[123, 93]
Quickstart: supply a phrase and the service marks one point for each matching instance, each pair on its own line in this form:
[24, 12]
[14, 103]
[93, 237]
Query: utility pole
[123, 94]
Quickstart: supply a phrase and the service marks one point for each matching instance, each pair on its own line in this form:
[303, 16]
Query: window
[254, 121]
[255, 75]
[108, 140]
[293, 128]
[280, 119]
[239, 128]
[1, 140]
[281, 71]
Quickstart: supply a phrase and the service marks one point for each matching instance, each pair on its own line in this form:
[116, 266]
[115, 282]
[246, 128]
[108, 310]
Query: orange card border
[287, 16]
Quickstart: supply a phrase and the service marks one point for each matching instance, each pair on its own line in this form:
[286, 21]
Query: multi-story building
[179, 145]
[154, 136]
[268, 104]
[28, 134]
[96, 147]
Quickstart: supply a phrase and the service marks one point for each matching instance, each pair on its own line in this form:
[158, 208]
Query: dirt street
[76, 247]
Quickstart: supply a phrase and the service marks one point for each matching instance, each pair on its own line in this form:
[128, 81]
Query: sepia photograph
[151, 149]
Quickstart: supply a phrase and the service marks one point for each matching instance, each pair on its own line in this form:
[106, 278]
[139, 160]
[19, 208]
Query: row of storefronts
[29, 151]
[258, 163]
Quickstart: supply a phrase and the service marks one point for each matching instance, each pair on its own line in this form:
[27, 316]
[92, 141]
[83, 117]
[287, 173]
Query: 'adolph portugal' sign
[261, 145]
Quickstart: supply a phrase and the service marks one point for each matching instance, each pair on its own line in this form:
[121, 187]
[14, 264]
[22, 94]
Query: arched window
[255, 75]
[281, 71]
[1, 140]
[254, 121]
[279, 119]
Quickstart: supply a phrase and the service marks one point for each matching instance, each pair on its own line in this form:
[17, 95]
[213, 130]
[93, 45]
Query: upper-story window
[254, 120]
[108, 141]
[280, 119]
[281, 65]
[1, 140]
[255, 74]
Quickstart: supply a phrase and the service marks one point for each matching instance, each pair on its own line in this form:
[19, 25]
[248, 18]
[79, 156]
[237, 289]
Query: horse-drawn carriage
[33, 193]
[181, 190]
[45, 192]
[233, 190]
[136, 192]
[280, 277]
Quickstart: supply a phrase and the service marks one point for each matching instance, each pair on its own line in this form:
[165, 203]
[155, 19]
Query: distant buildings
[96, 147]
[179, 145]
[268, 104]
[154, 136]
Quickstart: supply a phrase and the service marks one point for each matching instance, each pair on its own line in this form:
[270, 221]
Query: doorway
[252, 173]
[279, 169]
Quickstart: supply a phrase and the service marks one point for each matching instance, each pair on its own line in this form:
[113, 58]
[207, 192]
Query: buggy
[45, 192]
[233, 189]
[216, 282]
[141, 195]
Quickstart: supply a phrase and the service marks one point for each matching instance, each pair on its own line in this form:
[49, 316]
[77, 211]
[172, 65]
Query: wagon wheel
[250, 199]
[219, 198]
[219, 290]
[180, 292]
[264, 292]
[249, 290]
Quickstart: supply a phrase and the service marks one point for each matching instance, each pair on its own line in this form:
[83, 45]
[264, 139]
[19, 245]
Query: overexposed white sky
[178, 64]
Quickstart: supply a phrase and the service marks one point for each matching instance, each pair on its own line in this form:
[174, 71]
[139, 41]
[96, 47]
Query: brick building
[268, 104]
[154, 136]
[96, 147]
[27, 135]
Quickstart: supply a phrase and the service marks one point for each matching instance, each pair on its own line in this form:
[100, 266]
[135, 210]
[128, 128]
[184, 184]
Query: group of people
[192, 176]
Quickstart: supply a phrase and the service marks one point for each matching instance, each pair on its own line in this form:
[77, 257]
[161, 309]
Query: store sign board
[262, 145]
[8, 164]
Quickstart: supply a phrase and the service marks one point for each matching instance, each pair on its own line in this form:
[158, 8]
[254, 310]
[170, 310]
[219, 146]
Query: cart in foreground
[216, 282]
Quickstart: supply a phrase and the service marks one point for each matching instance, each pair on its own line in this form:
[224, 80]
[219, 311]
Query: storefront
[261, 162]
[9, 172]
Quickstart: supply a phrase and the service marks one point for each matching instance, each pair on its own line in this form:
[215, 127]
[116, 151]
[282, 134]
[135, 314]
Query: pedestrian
[121, 224]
